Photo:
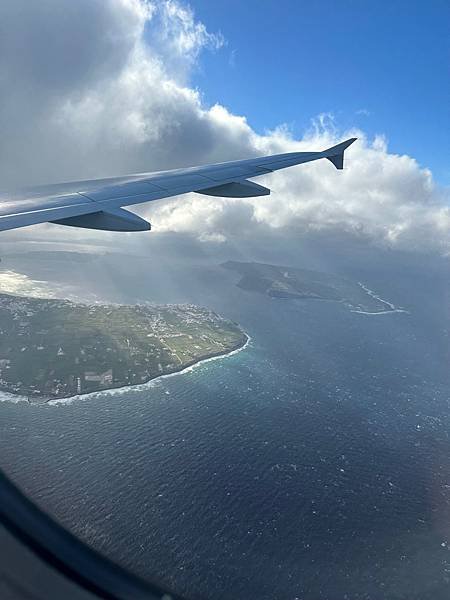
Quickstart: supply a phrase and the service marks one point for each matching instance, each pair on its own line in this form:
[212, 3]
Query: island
[57, 348]
[294, 283]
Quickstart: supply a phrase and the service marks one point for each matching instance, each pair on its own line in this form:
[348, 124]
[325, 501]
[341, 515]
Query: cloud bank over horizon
[102, 87]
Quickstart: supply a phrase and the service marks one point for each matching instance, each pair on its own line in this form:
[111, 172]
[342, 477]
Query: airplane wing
[97, 203]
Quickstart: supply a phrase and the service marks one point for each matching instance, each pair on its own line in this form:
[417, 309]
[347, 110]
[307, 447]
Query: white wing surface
[97, 203]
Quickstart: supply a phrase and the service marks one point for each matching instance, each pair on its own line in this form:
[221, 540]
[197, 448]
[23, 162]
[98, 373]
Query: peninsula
[293, 283]
[57, 348]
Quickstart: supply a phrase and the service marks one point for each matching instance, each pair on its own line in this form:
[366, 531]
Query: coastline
[380, 312]
[391, 307]
[6, 396]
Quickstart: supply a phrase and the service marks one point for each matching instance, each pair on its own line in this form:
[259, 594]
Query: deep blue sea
[314, 464]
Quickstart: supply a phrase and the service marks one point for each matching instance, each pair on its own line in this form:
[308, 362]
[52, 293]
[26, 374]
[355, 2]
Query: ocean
[314, 464]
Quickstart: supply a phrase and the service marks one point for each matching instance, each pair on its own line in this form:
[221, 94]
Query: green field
[56, 348]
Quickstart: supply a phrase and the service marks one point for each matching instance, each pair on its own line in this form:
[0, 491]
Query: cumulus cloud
[101, 87]
[385, 197]
[177, 37]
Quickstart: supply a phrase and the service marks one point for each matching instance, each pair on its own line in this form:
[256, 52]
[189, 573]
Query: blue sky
[380, 66]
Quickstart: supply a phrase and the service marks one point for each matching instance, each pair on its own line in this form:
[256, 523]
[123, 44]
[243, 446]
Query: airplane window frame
[67, 554]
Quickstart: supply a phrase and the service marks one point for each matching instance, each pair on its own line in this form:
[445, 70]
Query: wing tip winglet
[335, 154]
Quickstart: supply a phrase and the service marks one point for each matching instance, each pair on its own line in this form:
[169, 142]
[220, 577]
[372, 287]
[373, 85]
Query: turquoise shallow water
[314, 464]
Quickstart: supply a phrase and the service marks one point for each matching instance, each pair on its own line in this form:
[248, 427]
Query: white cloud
[19, 284]
[385, 197]
[216, 238]
[179, 35]
[101, 87]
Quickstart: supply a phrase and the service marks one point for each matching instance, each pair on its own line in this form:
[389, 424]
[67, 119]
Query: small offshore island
[57, 348]
[294, 283]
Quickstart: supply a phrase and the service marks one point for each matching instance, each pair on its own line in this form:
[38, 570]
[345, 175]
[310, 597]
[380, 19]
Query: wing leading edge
[97, 204]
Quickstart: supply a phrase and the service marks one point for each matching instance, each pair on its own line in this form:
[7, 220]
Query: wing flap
[177, 181]
[135, 188]
[45, 215]
[26, 202]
